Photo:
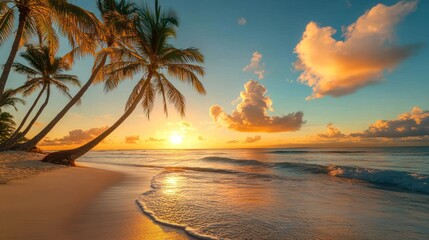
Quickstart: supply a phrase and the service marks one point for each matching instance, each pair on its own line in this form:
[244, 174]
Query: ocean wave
[398, 153]
[241, 162]
[190, 231]
[402, 180]
[310, 151]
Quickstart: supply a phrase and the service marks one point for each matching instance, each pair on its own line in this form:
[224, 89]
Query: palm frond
[185, 75]
[141, 86]
[68, 79]
[45, 29]
[22, 69]
[8, 99]
[115, 73]
[175, 97]
[7, 19]
[7, 126]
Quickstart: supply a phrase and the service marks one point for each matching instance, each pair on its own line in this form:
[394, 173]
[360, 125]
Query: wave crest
[408, 181]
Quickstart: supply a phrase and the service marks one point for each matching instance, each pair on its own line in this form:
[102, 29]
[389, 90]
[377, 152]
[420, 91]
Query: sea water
[362, 193]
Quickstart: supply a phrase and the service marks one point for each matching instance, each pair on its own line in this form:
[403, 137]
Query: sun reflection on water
[171, 184]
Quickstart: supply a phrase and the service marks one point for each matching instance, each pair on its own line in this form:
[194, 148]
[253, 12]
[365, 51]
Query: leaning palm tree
[118, 26]
[40, 18]
[156, 60]
[43, 72]
[7, 124]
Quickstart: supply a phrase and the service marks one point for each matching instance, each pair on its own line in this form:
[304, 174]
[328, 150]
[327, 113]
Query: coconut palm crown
[43, 72]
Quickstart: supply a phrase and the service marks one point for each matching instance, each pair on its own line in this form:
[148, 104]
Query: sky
[279, 73]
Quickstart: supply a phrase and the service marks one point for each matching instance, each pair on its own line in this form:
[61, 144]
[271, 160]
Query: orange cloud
[411, 124]
[252, 139]
[77, 136]
[152, 139]
[256, 66]
[132, 139]
[233, 141]
[331, 132]
[338, 68]
[251, 114]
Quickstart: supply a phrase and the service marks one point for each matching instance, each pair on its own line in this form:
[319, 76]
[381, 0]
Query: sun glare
[176, 139]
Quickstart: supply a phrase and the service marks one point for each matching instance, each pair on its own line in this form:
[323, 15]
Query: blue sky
[273, 28]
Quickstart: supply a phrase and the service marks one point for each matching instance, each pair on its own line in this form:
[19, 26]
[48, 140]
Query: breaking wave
[402, 180]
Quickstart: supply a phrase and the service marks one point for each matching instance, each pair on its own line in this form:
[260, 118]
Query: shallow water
[374, 193]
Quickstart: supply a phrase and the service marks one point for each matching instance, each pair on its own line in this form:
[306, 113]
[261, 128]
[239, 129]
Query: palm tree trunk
[28, 128]
[30, 144]
[15, 46]
[68, 157]
[28, 114]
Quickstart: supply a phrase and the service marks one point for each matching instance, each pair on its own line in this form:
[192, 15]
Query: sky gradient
[278, 74]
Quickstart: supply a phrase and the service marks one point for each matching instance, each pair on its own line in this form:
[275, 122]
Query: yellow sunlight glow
[176, 139]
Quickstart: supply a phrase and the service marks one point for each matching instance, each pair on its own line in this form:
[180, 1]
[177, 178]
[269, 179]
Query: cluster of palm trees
[126, 42]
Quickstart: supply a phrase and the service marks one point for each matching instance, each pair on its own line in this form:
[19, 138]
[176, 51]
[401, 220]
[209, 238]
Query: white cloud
[241, 21]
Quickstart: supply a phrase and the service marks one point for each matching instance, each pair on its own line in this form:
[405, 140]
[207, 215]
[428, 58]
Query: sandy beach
[44, 201]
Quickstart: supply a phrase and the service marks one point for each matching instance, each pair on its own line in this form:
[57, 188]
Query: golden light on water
[171, 183]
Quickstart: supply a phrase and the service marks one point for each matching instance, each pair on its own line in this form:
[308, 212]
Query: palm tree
[39, 18]
[44, 72]
[118, 18]
[7, 124]
[155, 59]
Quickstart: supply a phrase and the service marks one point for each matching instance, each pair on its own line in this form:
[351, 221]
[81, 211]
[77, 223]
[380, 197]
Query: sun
[176, 139]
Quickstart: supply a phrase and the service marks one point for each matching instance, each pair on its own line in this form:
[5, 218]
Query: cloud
[338, 68]
[252, 139]
[132, 139]
[152, 139]
[77, 136]
[232, 141]
[251, 114]
[241, 21]
[331, 132]
[182, 126]
[201, 138]
[411, 124]
[256, 66]
[348, 4]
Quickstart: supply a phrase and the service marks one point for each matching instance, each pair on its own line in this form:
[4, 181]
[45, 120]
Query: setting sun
[176, 139]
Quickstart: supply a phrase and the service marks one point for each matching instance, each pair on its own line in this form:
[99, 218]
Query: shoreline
[123, 219]
[89, 201]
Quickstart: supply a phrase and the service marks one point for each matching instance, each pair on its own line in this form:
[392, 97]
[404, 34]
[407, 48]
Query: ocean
[345, 193]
